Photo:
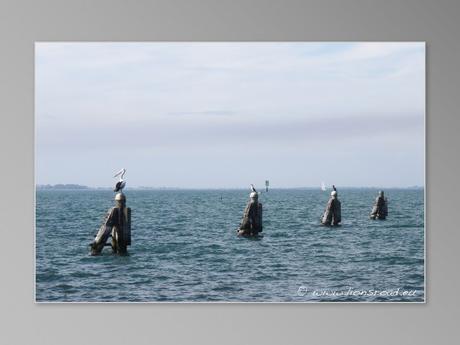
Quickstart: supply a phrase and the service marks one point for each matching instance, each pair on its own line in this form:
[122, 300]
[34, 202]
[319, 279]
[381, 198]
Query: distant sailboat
[323, 186]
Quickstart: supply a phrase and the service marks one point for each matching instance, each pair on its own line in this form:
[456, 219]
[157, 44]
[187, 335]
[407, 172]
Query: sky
[224, 115]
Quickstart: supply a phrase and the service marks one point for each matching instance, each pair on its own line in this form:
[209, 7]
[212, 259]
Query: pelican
[121, 183]
[253, 189]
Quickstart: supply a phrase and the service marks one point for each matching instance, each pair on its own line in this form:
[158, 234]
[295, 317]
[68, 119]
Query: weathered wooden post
[117, 223]
[251, 223]
[332, 215]
[380, 208]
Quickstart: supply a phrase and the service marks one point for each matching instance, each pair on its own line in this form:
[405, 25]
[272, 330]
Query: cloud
[221, 97]
[205, 113]
[380, 50]
[230, 134]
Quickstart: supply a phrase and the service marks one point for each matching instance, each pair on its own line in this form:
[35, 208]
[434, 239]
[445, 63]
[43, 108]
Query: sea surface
[185, 249]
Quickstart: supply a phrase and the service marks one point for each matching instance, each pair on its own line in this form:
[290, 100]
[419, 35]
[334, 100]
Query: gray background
[22, 23]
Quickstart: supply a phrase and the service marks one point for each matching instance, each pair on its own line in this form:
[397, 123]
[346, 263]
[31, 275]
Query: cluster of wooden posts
[332, 216]
[117, 222]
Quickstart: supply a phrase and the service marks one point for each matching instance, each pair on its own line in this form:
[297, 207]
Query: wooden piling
[332, 215]
[380, 209]
[116, 224]
[251, 223]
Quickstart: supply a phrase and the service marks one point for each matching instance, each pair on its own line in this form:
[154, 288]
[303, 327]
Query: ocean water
[185, 249]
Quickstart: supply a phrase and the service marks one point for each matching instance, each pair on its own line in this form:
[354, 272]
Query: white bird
[253, 189]
[121, 183]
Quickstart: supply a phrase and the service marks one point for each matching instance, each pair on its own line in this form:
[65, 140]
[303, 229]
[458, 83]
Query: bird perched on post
[254, 195]
[121, 183]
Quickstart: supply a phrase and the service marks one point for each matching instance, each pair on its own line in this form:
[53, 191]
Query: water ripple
[184, 247]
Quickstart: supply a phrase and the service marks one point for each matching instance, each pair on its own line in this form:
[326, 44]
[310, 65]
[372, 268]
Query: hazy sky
[230, 114]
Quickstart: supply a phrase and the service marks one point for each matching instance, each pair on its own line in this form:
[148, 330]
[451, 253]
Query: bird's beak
[118, 173]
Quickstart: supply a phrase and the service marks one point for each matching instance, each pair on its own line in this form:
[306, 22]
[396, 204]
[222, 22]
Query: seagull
[121, 183]
[253, 189]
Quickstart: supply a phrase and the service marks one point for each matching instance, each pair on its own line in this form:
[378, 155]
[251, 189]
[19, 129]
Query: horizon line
[78, 186]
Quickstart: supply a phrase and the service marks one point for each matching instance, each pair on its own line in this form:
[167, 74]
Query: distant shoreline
[76, 187]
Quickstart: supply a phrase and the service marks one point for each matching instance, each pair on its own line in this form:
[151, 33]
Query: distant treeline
[61, 186]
